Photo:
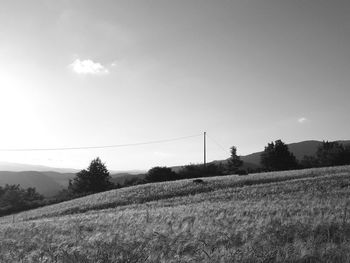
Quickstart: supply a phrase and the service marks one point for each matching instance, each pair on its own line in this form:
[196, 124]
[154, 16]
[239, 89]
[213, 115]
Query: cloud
[88, 66]
[302, 120]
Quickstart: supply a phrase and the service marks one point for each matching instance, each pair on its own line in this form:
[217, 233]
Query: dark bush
[160, 174]
[198, 181]
[241, 172]
[200, 170]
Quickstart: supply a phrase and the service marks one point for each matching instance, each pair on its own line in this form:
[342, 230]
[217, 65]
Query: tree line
[328, 154]
[277, 157]
[96, 178]
[14, 199]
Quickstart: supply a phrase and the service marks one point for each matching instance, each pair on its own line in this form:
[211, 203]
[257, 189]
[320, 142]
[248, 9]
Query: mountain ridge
[49, 180]
[34, 179]
[299, 149]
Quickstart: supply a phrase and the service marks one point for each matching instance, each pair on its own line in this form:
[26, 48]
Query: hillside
[299, 149]
[61, 178]
[40, 181]
[55, 179]
[49, 180]
[291, 216]
[159, 191]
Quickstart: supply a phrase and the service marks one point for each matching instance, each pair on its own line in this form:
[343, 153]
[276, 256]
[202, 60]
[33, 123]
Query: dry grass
[295, 216]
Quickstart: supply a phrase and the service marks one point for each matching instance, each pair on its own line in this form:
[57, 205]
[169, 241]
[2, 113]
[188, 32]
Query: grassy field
[293, 216]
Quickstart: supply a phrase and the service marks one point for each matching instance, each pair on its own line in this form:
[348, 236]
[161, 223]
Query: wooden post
[205, 150]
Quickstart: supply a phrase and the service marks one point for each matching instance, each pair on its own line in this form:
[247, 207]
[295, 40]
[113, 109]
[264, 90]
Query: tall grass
[304, 218]
[159, 191]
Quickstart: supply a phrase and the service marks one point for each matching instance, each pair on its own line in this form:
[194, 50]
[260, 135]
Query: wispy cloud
[88, 67]
[302, 120]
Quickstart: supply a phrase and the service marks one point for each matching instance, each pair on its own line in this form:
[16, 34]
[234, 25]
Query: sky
[77, 73]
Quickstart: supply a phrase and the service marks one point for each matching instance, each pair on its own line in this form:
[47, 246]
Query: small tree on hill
[92, 180]
[277, 157]
[200, 170]
[160, 174]
[234, 162]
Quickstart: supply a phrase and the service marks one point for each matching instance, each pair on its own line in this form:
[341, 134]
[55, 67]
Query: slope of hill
[41, 182]
[158, 191]
[299, 149]
[257, 218]
[49, 181]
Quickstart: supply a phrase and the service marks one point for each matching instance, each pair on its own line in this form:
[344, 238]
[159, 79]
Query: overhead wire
[218, 144]
[99, 147]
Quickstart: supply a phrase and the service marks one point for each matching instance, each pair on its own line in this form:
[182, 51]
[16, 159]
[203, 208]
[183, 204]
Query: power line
[99, 147]
[218, 144]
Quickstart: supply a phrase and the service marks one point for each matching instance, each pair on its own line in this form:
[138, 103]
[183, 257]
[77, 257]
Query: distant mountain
[49, 181]
[41, 182]
[299, 149]
[19, 167]
[123, 172]
[61, 178]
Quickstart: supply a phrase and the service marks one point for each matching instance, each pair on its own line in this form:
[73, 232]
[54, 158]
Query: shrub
[160, 174]
[241, 172]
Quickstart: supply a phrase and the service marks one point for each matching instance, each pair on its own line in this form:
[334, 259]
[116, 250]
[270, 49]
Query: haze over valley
[209, 131]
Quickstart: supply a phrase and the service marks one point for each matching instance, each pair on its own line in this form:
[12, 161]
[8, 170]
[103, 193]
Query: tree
[160, 174]
[328, 154]
[277, 157]
[333, 153]
[309, 162]
[346, 154]
[200, 170]
[234, 162]
[192, 171]
[13, 198]
[94, 179]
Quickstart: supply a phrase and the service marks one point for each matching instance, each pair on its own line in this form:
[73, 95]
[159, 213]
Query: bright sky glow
[80, 73]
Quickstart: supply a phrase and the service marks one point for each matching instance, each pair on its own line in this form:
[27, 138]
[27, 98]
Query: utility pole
[205, 149]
